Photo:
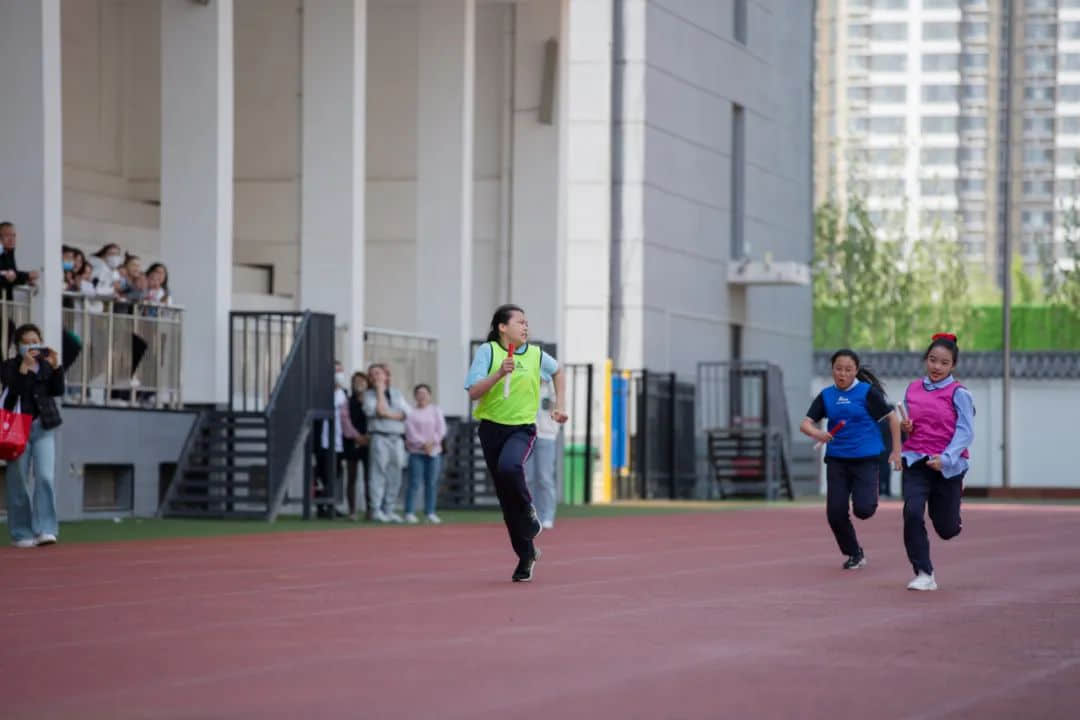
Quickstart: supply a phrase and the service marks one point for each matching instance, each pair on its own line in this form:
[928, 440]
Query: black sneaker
[856, 561]
[524, 570]
[535, 526]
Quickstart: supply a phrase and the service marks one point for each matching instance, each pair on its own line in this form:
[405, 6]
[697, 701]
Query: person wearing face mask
[31, 380]
[106, 263]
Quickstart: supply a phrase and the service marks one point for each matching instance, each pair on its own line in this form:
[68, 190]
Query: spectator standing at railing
[425, 428]
[31, 380]
[157, 285]
[74, 262]
[106, 263]
[10, 275]
[386, 409]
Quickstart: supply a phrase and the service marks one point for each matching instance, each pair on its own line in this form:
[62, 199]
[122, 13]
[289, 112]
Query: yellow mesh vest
[524, 401]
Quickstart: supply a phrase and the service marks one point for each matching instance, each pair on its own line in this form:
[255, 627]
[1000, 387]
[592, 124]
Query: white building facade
[411, 164]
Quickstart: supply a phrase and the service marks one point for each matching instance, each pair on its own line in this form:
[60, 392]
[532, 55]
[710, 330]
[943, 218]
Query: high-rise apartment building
[956, 114]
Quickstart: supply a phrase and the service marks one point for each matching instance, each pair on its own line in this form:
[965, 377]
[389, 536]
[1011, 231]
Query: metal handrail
[122, 352]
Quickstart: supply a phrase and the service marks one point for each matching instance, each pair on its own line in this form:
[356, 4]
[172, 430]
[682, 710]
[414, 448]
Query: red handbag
[14, 431]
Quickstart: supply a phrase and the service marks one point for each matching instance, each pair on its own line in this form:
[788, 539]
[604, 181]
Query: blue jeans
[26, 520]
[424, 467]
[540, 477]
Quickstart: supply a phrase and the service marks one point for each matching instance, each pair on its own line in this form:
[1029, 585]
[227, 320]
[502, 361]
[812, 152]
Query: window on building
[940, 62]
[738, 180]
[1039, 125]
[1069, 125]
[1070, 31]
[889, 31]
[1070, 62]
[1038, 188]
[885, 187]
[940, 4]
[940, 93]
[938, 156]
[974, 30]
[939, 124]
[882, 125]
[891, 157]
[1038, 62]
[1039, 31]
[888, 93]
[1038, 156]
[937, 187]
[975, 61]
[888, 62]
[741, 21]
[1069, 94]
[1038, 93]
[940, 31]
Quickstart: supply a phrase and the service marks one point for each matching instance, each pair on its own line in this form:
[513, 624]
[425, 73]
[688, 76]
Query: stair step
[223, 468]
[220, 499]
[219, 484]
[215, 514]
[224, 442]
[226, 454]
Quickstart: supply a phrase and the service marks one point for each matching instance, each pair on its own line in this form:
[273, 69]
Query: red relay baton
[832, 433]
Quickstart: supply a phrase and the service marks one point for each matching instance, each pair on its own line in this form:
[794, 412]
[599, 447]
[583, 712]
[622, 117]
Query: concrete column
[31, 156]
[197, 184]
[333, 167]
[536, 280]
[444, 193]
[587, 180]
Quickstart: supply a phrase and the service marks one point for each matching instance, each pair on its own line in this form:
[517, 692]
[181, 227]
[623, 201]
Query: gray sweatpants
[540, 478]
[387, 466]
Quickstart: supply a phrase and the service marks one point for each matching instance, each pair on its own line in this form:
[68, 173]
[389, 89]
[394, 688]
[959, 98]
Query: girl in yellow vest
[508, 421]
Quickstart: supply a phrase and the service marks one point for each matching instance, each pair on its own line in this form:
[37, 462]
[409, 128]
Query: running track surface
[728, 614]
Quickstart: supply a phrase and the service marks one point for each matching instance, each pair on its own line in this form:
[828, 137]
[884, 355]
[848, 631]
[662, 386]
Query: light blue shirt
[952, 462]
[481, 364]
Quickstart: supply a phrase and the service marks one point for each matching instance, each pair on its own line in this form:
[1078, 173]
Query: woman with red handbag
[31, 380]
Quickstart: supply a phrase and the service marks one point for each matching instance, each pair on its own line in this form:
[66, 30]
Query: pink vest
[933, 418]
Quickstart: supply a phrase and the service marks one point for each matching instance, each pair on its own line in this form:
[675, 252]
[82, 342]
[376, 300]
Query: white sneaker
[380, 516]
[922, 581]
[411, 518]
[548, 525]
[394, 517]
[45, 539]
[434, 519]
[24, 543]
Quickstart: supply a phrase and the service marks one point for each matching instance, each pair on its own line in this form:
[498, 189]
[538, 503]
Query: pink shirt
[423, 426]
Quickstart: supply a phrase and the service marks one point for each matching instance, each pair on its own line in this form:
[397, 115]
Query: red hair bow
[944, 336]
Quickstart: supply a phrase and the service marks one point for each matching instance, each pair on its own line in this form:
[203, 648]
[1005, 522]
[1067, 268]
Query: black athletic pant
[855, 482]
[925, 486]
[506, 448]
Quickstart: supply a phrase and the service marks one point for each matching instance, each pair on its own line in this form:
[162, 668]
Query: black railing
[259, 347]
[285, 365]
[743, 427]
[652, 435]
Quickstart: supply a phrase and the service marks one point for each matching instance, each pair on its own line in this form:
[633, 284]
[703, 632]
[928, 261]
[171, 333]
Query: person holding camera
[31, 380]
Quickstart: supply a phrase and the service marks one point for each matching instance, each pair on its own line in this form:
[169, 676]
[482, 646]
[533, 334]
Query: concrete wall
[112, 135]
[141, 438]
[1042, 430]
[680, 70]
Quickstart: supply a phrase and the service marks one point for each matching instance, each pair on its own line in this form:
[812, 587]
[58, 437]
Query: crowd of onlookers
[382, 442]
[112, 274]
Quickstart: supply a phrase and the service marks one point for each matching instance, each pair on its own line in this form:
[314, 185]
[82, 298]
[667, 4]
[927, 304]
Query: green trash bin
[575, 473]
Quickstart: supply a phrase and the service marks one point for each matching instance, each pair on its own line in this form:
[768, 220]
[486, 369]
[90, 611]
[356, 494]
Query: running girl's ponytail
[862, 373]
[501, 317]
[866, 375]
